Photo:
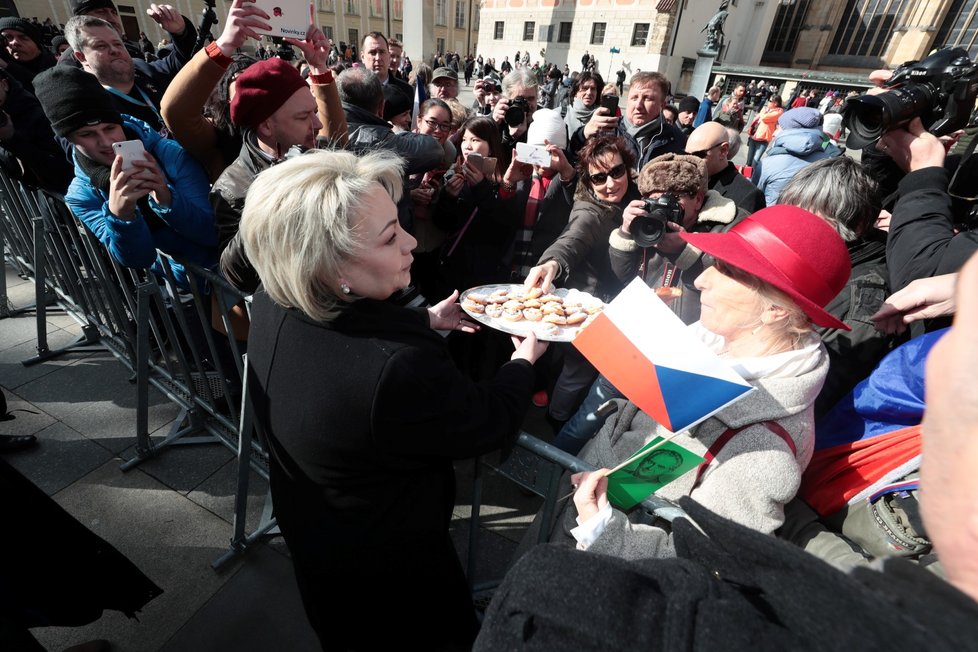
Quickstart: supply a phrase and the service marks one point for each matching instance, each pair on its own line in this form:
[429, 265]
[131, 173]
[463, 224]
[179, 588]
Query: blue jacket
[790, 151]
[189, 231]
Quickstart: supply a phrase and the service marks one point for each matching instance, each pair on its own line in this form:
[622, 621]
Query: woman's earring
[345, 288]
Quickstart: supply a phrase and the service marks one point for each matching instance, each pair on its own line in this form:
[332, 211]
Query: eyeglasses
[438, 126]
[600, 177]
[701, 153]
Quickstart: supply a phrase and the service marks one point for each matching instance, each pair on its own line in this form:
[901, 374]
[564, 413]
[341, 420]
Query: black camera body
[648, 229]
[516, 111]
[940, 90]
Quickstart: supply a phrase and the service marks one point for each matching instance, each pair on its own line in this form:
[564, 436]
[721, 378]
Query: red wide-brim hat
[792, 249]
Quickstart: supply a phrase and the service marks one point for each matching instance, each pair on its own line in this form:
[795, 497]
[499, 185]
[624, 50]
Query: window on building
[528, 28]
[353, 7]
[328, 31]
[377, 8]
[327, 5]
[867, 26]
[440, 44]
[441, 13]
[459, 14]
[475, 22]
[399, 36]
[597, 33]
[784, 32]
[640, 35]
[398, 8]
[565, 32]
[546, 33]
[497, 32]
[354, 37]
[960, 27]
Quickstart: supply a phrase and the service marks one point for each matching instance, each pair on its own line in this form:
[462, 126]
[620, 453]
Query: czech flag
[653, 358]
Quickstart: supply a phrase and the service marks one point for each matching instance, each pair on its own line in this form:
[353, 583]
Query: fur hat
[72, 98]
[262, 89]
[679, 173]
[547, 125]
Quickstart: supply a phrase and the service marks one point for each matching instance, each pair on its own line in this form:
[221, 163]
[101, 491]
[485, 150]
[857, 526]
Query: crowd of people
[354, 218]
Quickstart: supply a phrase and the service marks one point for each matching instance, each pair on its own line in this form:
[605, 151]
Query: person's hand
[125, 189]
[671, 243]
[454, 185]
[422, 196]
[499, 110]
[924, 298]
[479, 90]
[559, 162]
[243, 20]
[315, 47]
[542, 275]
[447, 315]
[152, 177]
[601, 120]
[472, 173]
[635, 208]
[592, 493]
[883, 220]
[517, 171]
[912, 148]
[528, 348]
[951, 139]
[168, 18]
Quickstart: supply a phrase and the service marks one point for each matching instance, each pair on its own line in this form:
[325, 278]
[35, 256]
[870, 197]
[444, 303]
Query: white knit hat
[547, 125]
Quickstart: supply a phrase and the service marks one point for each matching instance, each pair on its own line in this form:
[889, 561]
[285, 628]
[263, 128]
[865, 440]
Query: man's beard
[117, 74]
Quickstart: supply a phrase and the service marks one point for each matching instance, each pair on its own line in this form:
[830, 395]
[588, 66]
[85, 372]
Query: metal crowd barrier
[537, 466]
[158, 329]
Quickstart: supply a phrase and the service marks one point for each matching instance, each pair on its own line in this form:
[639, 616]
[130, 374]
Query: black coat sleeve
[921, 241]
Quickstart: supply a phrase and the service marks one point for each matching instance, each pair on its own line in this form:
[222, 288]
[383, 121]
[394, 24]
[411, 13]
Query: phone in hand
[129, 150]
[610, 102]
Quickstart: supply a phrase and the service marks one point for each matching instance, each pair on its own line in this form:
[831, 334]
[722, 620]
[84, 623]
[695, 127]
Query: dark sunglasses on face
[600, 177]
[701, 153]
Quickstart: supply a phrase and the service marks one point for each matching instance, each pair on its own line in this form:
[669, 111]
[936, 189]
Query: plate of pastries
[557, 315]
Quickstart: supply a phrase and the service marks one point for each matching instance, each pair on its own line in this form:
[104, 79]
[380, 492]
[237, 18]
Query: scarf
[99, 175]
[578, 115]
[644, 134]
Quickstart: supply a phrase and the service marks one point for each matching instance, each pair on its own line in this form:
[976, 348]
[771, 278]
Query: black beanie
[72, 98]
[396, 101]
[21, 25]
[82, 7]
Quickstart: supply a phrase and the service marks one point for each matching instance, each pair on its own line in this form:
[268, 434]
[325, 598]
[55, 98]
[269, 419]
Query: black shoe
[13, 443]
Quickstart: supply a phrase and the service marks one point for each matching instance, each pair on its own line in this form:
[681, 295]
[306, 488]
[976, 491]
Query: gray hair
[360, 87]
[299, 219]
[521, 77]
[733, 138]
[839, 191]
[73, 30]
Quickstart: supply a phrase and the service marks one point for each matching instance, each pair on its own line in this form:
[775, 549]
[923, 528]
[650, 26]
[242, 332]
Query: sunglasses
[438, 126]
[615, 173]
[701, 153]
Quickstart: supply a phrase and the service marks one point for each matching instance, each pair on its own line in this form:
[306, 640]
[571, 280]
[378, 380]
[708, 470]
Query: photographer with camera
[487, 91]
[675, 200]
[514, 111]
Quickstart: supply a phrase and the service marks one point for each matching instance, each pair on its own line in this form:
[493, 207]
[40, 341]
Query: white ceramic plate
[543, 331]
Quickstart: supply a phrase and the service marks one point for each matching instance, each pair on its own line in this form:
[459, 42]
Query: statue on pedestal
[714, 29]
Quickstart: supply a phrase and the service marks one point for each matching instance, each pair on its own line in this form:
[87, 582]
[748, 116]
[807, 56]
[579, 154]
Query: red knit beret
[261, 89]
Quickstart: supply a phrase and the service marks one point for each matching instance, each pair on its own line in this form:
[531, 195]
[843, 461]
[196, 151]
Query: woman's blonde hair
[298, 223]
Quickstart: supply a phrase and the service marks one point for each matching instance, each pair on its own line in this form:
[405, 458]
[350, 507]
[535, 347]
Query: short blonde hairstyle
[298, 223]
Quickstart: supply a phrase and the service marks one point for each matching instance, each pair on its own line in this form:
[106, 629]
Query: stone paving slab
[61, 457]
[171, 539]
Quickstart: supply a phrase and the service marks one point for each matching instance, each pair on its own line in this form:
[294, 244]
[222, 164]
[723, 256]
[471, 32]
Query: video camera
[648, 229]
[940, 89]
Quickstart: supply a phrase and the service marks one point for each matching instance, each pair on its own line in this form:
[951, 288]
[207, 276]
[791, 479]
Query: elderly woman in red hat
[774, 273]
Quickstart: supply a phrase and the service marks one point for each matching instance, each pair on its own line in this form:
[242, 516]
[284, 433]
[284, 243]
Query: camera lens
[867, 117]
[647, 230]
[515, 115]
